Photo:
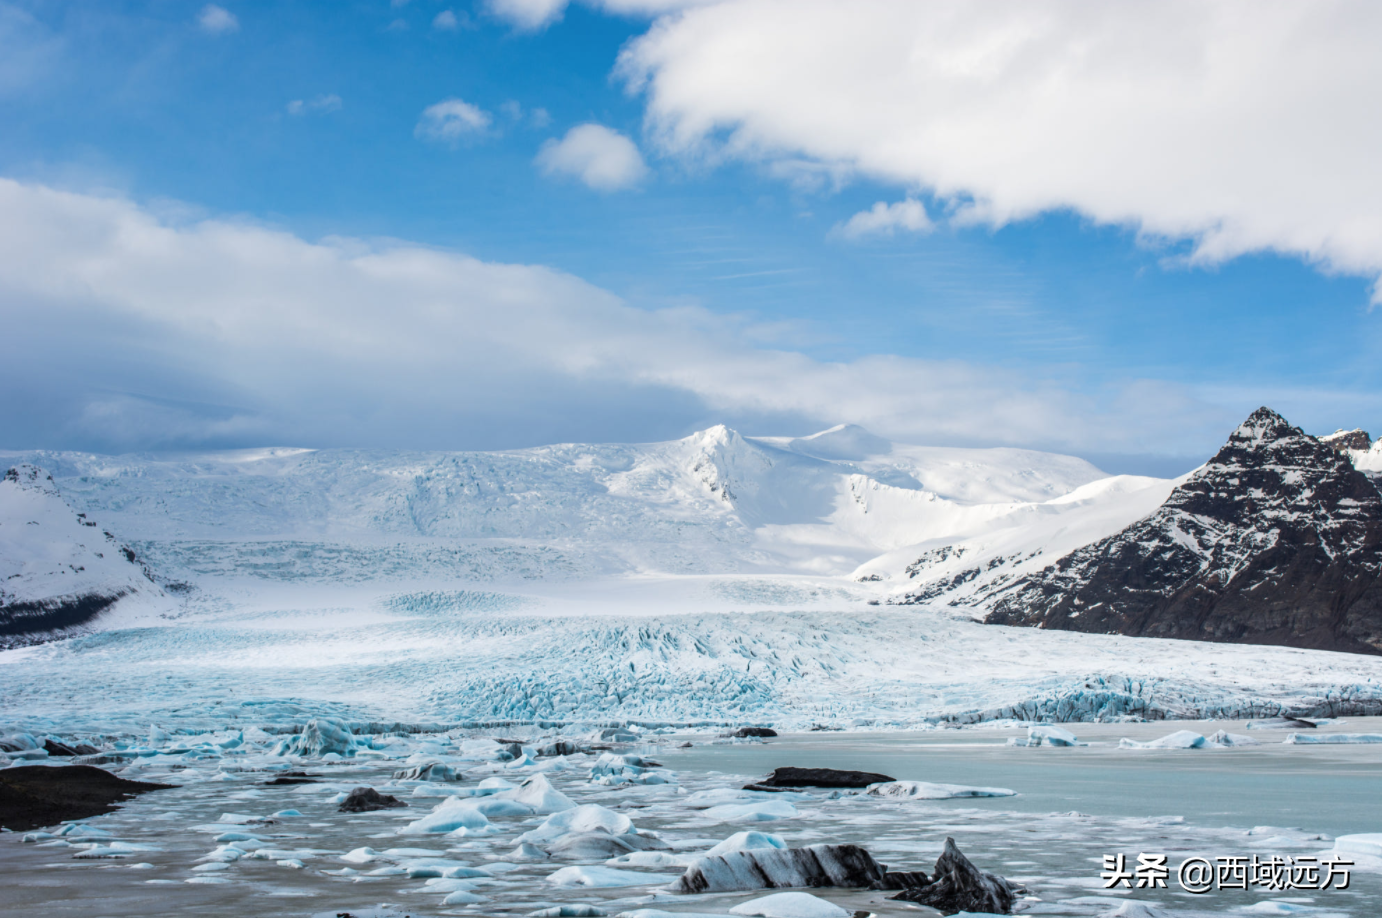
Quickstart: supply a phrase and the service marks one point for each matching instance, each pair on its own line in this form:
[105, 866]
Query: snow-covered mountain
[1276, 540]
[59, 570]
[713, 502]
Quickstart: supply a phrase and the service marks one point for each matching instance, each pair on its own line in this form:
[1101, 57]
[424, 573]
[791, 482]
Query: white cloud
[217, 330]
[452, 119]
[886, 219]
[531, 15]
[446, 21]
[321, 104]
[1242, 125]
[217, 19]
[604, 159]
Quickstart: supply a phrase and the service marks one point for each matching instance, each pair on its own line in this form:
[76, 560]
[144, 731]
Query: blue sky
[308, 120]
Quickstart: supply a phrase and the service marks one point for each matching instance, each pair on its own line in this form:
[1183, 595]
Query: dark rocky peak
[1342, 440]
[1276, 540]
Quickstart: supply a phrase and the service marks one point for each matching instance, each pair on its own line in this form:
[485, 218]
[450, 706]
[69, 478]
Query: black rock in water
[1276, 540]
[758, 732]
[959, 886]
[818, 777]
[292, 777]
[33, 796]
[54, 748]
[903, 879]
[367, 800]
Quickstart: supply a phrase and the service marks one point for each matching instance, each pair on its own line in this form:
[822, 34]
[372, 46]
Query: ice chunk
[428, 771]
[463, 897]
[922, 790]
[604, 877]
[1181, 739]
[448, 816]
[1303, 739]
[1224, 738]
[1050, 735]
[590, 817]
[539, 796]
[758, 811]
[746, 841]
[568, 911]
[322, 736]
[769, 868]
[1369, 843]
[651, 859]
[360, 856]
[790, 905]
[659, 913]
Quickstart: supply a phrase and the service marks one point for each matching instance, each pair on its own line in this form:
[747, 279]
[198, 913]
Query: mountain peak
[1263, 426]
[31, 478]
[1356, 439]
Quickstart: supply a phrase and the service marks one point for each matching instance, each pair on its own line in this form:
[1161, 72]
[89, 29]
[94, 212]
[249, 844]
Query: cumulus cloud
[217, 19]
[1240, 125]
[227, 332]
[320, 104]
[601, 158]
[886, 219]
[452, 119]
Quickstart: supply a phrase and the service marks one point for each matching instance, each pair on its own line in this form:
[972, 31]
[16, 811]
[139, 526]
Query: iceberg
[604, 877]
[768, 868]
[922, 790]
[1331, 739]
[1181, 739]
[746, 841]
[790, 905]
[539, 796]
[590, 817]
[322, 736]
[447, 816]
[758, 811]
[1368, 844]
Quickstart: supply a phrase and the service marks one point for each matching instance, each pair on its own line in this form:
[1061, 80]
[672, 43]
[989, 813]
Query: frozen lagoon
[1073, 806]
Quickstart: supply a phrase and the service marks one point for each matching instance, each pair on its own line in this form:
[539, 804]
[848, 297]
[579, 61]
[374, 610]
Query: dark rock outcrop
[367, 800]
[777, 868]
[292, 777]
[959, 886]
[790, 776]
[1276, 540]
[33, 796]
[1341, 440]
[755, 732]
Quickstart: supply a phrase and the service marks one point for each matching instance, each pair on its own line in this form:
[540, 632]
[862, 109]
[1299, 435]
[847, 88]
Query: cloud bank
[226, 333]
[1241, 125]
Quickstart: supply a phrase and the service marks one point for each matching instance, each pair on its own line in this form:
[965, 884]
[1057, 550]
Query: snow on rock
[1276, 540]
[604, 877]
[61, 574]
[773, 868]
[921, 790]
[1181, 739]
[790, 905]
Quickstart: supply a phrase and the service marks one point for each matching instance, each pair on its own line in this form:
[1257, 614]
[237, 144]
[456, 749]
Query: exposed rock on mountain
[1276, 540]
[1345, 440]
[59, 570]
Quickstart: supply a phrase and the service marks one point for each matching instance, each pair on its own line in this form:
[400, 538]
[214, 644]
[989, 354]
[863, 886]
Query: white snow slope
[53, 559]
[716, 578]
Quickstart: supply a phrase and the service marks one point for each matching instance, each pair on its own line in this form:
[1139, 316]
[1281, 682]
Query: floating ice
[1369, 844]
[463, 897]
[590, 817]
[768, 868]
[758, 811]
[790, 905]
[1181, 739]
[651, 859]
[604, 877]
[746, 841]
[448, 816]
[1048, 735]
[428, 771]
[1224, 738]
[922, 790]
[1332, 738]
[322, 736]
[539, 796]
